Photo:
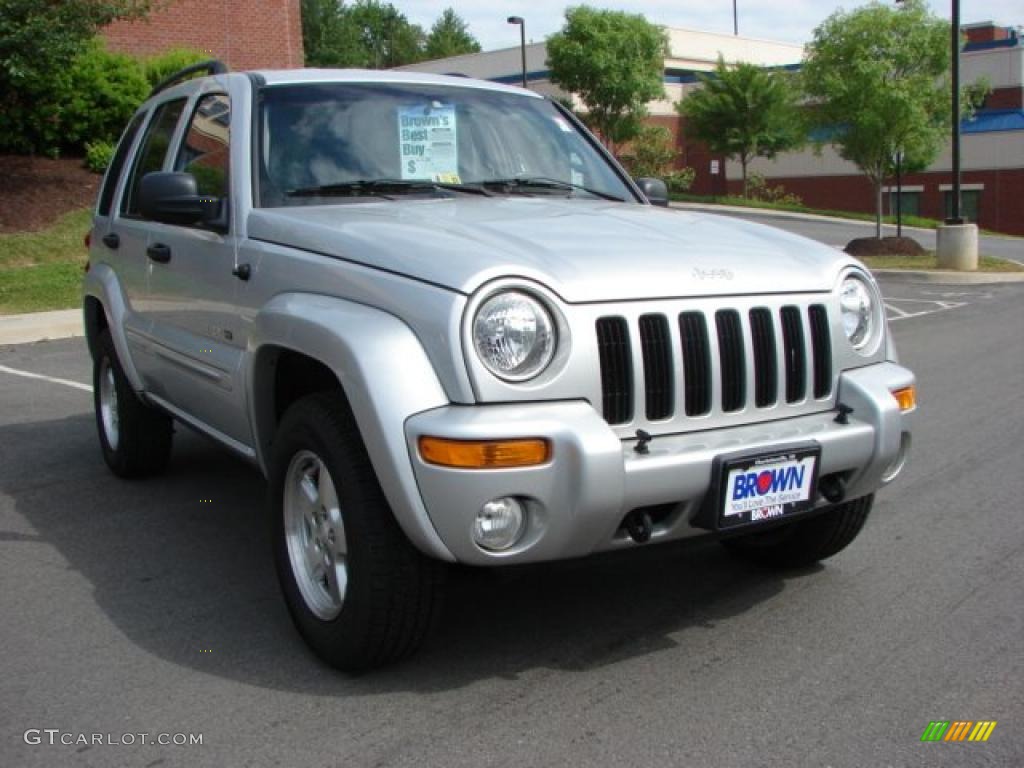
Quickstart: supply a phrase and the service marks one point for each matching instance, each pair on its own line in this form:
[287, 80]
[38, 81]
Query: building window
[970, 203]
[910, 203]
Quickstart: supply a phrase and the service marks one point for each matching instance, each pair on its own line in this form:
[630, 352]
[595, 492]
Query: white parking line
[895, 313]
[51, 379]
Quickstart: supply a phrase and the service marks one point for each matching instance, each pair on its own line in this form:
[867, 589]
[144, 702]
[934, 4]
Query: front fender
[386, 377]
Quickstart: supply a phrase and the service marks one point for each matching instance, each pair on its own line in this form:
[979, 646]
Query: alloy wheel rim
[315, 535]
[108, 404]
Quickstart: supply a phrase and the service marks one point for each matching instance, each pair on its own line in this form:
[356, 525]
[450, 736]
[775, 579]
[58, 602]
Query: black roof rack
[211, 67]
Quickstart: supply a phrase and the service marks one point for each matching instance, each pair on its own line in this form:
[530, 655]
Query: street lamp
[955, 50]
[522, 40]
[735, 20]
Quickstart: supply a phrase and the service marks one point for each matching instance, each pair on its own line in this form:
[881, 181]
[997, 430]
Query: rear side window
[152, 152]
[204, 152]
[117, 163]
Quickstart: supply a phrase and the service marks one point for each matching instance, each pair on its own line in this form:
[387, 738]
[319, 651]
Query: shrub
[103, 91]
[758, 189]
[651, 153]
[681, 180]
[98, 155]
[161, 67]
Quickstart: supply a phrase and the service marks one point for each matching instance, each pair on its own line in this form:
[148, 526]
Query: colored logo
[958, 730]
[775, 480]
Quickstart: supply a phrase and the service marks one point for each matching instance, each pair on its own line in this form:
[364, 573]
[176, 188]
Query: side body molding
[101, 283]
[386, 376]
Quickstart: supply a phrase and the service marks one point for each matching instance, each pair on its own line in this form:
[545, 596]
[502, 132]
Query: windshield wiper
[545, 182]
[383, 188]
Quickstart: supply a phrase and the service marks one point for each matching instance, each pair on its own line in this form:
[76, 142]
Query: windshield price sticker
[427, 143]
[768, 487]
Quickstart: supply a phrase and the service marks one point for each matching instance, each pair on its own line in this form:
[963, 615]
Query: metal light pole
[955, 49]
[735, 20]
[522, 40]
[899, 193]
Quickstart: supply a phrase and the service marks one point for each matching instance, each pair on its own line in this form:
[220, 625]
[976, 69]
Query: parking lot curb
[40, 326]
[947, 277]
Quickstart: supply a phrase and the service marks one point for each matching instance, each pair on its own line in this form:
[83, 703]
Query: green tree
[103, 91]
[367, 33]
[614, 62]
[744, 111]
[450, 36]
[878, 78]
[38, 42]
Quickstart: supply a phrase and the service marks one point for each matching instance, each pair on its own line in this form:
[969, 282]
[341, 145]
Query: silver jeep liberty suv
[449, 328]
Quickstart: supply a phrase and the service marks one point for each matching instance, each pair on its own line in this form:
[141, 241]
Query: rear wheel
[805, 541]
[135, 438]
[360, 594]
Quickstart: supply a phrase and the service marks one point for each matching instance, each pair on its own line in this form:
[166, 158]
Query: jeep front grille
[750, 362]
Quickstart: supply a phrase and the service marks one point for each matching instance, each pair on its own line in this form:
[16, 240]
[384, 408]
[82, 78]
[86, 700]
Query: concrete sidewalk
[39, 326]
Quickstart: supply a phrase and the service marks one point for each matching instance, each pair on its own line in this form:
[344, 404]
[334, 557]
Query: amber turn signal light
[484, 454]
[906, 397]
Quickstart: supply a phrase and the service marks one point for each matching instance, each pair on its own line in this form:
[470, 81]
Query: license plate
[769, 486]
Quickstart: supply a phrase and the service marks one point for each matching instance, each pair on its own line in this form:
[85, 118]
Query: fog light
[499, 523]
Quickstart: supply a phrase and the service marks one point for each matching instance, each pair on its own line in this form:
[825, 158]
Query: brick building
[244, 35]
[992, 146]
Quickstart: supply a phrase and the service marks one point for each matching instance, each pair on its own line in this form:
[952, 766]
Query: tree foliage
[614, 62]
[650, 153]
[879, 80]
[450, 36]
[367, 34]
[744, 111]
[103, 91]
[38, 43]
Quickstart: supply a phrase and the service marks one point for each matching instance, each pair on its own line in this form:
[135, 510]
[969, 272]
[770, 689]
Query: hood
[582, 250]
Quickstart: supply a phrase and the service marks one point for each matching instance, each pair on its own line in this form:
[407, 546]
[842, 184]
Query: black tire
[804, 542]
[393, 592]
[139, 443]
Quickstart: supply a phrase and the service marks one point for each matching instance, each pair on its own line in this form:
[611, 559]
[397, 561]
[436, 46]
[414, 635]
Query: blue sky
[786, 20]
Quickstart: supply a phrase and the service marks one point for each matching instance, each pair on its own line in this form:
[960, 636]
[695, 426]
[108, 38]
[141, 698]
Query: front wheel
[359, 593]
[804, 542]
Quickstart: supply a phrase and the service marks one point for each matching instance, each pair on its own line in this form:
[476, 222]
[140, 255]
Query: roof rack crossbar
[211, 67]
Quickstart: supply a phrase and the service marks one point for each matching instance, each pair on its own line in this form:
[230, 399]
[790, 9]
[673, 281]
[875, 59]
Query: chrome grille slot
[696, 363]
[659, 380]
[766, 375]
[821, 349]
[731, 357]
[793, 354]
[616, 369]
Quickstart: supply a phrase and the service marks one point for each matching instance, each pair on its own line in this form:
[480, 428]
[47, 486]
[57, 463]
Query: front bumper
[577, 501]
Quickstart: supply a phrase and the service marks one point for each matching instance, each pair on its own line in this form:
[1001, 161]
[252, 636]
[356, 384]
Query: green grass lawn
[43, 270]
[743, 202]
[928, 261]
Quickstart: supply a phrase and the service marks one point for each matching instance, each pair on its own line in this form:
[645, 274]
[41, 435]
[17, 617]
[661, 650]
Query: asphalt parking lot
[151, 607]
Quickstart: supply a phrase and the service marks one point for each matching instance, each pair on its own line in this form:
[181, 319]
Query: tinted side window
[117, 163]
[153, 151]
[204, 152]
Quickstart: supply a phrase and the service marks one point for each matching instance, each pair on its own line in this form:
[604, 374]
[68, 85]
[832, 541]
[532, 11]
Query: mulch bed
[885, 246]
[34, 191]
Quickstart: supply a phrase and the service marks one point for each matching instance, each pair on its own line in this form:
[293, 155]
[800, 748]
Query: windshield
[332, 142]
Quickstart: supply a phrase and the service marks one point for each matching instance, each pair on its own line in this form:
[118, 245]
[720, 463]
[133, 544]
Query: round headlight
[857, 304]
[514, 336]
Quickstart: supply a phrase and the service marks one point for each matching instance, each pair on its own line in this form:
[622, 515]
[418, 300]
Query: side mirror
[172, 198]
[654, 190]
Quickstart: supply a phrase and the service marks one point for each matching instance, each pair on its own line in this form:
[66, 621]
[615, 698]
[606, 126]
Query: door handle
[159, 252]
[111, 240]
